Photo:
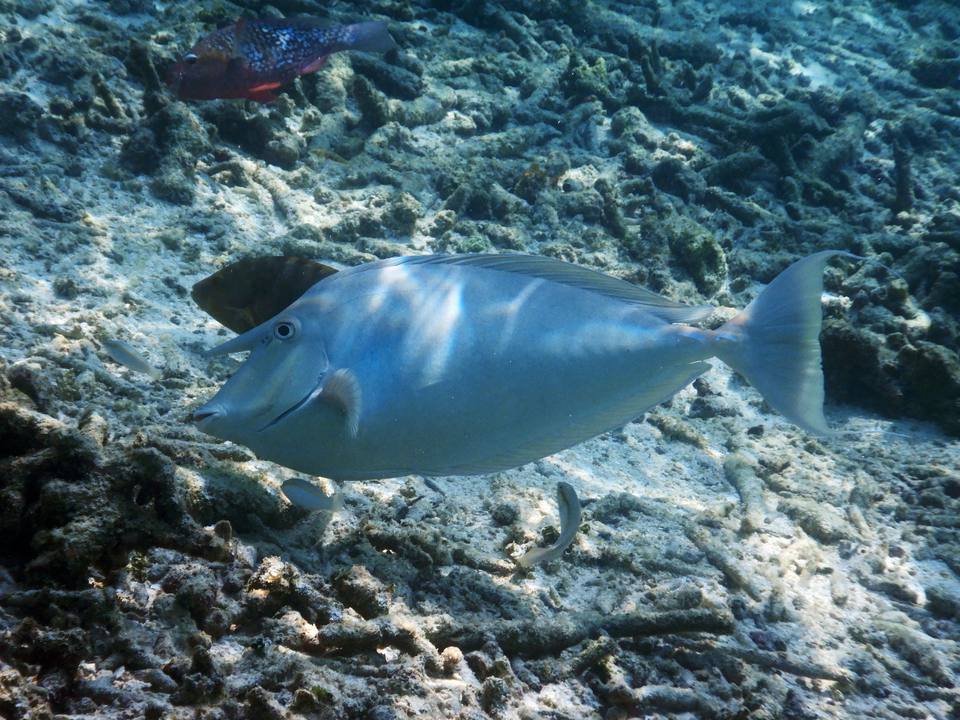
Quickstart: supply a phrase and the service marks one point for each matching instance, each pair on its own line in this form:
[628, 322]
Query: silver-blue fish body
[122, 352]
[453, 366]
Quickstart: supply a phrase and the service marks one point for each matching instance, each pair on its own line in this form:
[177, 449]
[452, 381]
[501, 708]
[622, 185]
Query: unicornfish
[470, 364]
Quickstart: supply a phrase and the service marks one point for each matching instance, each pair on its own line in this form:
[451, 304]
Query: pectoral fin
[261, 96]
[342, 389]
[265, 86]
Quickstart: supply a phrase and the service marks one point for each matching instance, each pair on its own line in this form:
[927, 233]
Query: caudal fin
[775, 342]
[370, 37]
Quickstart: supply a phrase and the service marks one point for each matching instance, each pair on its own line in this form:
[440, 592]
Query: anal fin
[314, 65]
[660, 386]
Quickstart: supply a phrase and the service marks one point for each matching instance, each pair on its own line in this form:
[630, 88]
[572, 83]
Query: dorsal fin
[553, 270]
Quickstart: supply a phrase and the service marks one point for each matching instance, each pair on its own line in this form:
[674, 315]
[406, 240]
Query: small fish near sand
[252, 59]
[308, 496]
[472, 364]
[121, 352]
[570, 515]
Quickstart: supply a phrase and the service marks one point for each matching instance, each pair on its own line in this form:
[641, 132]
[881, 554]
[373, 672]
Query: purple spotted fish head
[253, 58]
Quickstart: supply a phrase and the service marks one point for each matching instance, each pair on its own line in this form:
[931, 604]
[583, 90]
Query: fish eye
[284, 330]
[190, 58]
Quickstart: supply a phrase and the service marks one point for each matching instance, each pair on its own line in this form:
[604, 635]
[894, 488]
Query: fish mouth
[296, 406]
[203, 415]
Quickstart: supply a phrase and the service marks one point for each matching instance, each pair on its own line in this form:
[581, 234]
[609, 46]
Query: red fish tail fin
[369, 37]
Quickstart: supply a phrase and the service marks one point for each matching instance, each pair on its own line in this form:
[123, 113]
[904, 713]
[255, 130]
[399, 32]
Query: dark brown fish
[250, 291]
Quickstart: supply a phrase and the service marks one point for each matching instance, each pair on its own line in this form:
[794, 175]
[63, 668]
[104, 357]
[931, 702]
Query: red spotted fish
[471, 364]
[253, 58]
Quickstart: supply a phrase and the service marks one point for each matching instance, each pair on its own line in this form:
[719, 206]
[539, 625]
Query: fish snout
[205, 414]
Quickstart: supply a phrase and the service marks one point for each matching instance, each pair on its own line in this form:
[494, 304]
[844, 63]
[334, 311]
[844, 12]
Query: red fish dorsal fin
[240, 29]
[243, 39]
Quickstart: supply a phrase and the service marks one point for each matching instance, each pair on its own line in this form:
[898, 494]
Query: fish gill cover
[726, 564]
